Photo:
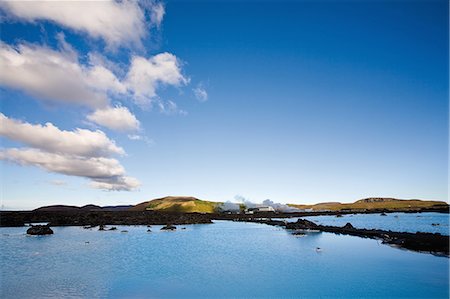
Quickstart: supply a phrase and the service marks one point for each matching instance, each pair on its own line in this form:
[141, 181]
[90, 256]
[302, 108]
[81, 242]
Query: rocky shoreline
[119, 217]
[96, 218]
[435, 244]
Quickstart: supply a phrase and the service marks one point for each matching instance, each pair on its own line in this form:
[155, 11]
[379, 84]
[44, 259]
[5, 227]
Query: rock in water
[348, 226]
[40, 230]
[168, 227]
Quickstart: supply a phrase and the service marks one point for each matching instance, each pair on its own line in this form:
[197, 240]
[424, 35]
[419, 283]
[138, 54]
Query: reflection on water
[220, 260]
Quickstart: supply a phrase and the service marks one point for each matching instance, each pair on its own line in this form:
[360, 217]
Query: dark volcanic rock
[168, 227]
[91, 219]
[348, 226]
[40, 230]
[302, 224]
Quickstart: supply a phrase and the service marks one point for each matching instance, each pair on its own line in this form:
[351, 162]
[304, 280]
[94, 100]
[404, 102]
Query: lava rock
[168, 227]
[40, 230]
[348, 226]
[302, 224]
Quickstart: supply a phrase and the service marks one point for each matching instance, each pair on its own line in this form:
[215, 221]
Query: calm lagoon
[220, 260]
[399, 222]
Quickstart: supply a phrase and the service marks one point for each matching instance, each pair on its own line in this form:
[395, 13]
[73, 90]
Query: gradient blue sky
[307, 102]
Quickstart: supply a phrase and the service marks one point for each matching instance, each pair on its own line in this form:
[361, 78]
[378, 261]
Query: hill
[375, 203]
[64, 208]
[181, 204]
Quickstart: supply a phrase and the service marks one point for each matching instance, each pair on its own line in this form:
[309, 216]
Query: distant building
[259, 209]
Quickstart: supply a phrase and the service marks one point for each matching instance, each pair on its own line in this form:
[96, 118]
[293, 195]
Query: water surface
[400, 222]
[220, 260]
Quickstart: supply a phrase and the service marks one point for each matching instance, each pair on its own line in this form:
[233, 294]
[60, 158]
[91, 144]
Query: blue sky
[297, 102]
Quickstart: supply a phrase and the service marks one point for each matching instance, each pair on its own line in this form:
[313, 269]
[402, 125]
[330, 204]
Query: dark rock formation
[40, 230]
[302, 224]
[168, 227]
[348, 226]
[113, 228]
[92, 219]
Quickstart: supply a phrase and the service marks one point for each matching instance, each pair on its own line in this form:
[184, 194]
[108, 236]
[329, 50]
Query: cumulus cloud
[118, 23]
[115, 118]
[122, 183]
[65, 79]
[91, 167]
[47, 137]
[145, 75]
[81, 153]
[200, 93]
[104, 172]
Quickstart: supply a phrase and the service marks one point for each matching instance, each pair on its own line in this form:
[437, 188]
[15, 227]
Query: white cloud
[200, 93]
[118, 23]
[145, 75]
[56, 76]
[115, 118]
[98, 169]
[123, 183]
[68, 81]
[91, 167]
[104, 80]
[79, 142]
[157, 14]
[81, 153]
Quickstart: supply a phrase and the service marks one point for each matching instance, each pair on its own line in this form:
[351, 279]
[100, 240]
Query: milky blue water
[220, 260]
[400, 222]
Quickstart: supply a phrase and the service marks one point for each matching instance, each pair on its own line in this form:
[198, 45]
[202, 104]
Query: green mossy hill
[376, 203]
[180, 204]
